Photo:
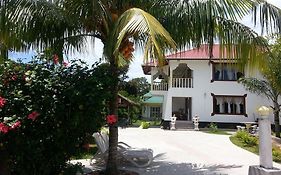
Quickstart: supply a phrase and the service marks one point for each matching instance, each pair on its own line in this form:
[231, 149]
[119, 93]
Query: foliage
[138, 123]
[270, 86]
[213, 127]
[118, 24]
[254, 148]
[238, 142]
[136, 87]
[246, 138]
[145, 125]
[50, 109]
[276, 153]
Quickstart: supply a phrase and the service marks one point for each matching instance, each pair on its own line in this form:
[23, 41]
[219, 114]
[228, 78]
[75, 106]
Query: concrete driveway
[189, 152]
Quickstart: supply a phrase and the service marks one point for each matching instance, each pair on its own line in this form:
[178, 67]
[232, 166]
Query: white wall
[202, 101]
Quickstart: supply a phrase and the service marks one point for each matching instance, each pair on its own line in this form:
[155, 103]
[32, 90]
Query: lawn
[218, 131]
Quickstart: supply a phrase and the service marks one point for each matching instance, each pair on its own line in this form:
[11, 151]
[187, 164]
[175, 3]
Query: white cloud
[93, 52]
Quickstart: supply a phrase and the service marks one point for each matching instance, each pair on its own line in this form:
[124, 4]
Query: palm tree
[8, 39]
[123, 24]
[266, 88]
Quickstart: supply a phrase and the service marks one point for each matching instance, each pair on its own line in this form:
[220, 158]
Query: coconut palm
[266, 88]
[8, 39]
[122, 25]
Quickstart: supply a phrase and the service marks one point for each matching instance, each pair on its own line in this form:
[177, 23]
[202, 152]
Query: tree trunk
[276, 120]
[3, 54]
[111, 166]
[58, 49]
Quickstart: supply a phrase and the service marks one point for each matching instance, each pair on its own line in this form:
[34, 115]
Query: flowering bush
[46, 111]
[111, 119]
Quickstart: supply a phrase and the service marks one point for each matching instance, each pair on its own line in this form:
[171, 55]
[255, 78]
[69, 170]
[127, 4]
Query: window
[225, 72]
[229, 105]
[155, 112]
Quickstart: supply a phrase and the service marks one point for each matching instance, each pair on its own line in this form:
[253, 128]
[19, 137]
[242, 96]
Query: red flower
[4, 128]
[2, 102]
[33, 115]
[111, 119]
[65, 64]
[56, 59]
[14, 77]
[16, 125]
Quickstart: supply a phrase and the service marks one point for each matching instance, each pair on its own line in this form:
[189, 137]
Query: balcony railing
[182, 83]
[158, 86]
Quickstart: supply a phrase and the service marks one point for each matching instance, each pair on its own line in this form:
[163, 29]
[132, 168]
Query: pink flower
[65, 64]
[33, 115]
[56, 59]
[4, 128]
[111, 119]
[14, 77]
[16, 125]
[2, 102]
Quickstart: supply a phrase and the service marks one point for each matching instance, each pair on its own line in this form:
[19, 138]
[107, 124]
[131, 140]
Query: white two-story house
[192, 84]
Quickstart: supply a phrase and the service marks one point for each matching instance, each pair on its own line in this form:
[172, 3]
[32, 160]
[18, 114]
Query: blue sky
[93, 51]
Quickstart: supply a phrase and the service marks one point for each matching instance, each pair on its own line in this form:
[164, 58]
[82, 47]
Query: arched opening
[182, 77]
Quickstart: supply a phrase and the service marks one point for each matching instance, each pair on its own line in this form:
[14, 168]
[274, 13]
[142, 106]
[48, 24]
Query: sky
[93, 51]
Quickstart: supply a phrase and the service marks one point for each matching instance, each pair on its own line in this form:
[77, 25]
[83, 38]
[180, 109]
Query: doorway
[182, 108]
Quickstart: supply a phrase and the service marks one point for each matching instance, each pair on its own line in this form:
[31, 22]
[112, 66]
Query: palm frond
[241, 43]
[254, 85]
[42, 24]
[269, 16]
[193, 22]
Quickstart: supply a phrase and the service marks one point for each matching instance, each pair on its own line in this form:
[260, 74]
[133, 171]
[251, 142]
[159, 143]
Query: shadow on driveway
[160, 167]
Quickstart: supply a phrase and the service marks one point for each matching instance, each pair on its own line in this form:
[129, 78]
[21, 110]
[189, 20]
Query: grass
[254, 148]
[236, 141]
[218, 131]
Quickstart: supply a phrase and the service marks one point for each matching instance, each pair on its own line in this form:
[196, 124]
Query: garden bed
[250, 143]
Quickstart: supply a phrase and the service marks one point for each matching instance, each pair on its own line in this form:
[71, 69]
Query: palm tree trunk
[58, 49]
[276, 119]
[111, 166]
[3, 54]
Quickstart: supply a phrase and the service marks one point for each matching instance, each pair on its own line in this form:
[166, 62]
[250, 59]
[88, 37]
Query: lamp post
[265, 146]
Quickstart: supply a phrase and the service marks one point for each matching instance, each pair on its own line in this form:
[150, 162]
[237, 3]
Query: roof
[128, 100]
[147, 94]
[154, 100]
[201, 53]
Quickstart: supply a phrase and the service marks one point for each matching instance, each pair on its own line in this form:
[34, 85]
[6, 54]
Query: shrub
[213, 127]
[46, 111]
[246, 138]
[145, 125]
[276, 153]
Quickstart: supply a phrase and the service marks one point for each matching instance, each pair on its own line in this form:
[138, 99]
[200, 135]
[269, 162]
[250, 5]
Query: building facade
[192, 84]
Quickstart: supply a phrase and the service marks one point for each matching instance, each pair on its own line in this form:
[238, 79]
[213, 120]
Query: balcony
[182, 83]
[159, 86]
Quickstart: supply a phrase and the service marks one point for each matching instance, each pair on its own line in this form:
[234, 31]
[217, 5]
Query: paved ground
[189, 152]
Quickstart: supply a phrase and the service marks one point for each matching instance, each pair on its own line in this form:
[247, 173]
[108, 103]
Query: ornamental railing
[159, 86]
[182, 83]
